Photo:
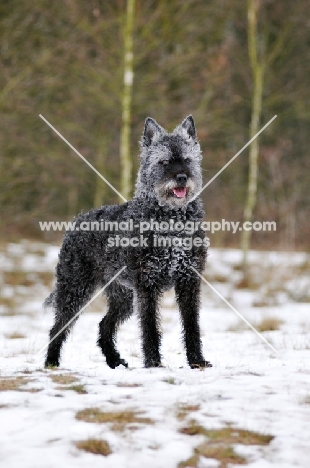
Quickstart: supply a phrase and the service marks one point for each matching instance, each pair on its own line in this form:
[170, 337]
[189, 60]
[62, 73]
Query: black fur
[87, 261]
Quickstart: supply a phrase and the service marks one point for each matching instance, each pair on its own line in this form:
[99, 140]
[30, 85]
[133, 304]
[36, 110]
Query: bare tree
[256, 56]
[126, 163]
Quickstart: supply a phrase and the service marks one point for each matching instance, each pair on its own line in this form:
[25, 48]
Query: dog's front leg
[147, 304]
[187, 290]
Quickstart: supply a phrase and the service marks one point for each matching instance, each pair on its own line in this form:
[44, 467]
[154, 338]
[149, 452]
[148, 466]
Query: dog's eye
[187, 160]
[165, 162]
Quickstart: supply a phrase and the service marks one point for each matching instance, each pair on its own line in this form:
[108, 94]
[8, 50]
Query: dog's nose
[181, 178]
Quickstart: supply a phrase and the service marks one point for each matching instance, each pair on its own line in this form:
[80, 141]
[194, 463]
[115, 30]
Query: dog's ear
[152, 132]
[187, 128]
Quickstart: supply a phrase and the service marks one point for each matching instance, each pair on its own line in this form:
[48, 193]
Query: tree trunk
[100, 159]
[257, 68]
[126, 164]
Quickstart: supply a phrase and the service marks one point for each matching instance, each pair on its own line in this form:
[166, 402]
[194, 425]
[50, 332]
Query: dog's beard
[171, 194]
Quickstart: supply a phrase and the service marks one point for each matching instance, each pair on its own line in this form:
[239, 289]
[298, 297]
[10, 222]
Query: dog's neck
[193, 208]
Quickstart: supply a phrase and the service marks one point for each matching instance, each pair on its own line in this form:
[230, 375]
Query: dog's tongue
[180, 192]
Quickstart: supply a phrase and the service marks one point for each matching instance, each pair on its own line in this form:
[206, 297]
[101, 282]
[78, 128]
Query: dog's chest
[177, 261]
[167, 265]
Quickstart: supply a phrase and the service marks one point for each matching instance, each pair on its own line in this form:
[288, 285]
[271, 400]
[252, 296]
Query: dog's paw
[153, 364]
[200, 364]
[123, 363]
[51, 364]
[113, 363]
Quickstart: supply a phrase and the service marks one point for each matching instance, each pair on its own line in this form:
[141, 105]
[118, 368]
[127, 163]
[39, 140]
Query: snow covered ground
[159, 417]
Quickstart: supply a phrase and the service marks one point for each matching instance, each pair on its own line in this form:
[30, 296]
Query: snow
[249, 387]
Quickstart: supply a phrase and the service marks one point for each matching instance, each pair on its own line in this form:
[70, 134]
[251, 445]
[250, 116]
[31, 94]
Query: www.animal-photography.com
[155, 256]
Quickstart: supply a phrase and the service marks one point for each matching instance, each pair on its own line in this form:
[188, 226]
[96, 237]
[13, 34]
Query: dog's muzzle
[174, 193]
[180, 190]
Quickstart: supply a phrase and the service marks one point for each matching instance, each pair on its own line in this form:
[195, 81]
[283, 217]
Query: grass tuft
[225, 455]
[64, 379]
[96, 446]
[192, 462]
[266, 324]
[269, 324]
[15, 336]
[218, 444]
[9, 304]
[11, 384]
[228, 435]
[119, 419]
[128, 385]
[79, 388]
[193, 429]
[184, 410]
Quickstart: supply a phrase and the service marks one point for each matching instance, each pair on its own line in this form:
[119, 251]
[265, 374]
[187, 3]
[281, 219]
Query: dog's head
[170, 163]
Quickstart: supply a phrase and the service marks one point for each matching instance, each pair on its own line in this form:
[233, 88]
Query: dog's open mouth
[180, 192]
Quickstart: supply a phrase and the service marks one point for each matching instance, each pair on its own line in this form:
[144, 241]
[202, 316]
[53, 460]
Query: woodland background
[65, 60]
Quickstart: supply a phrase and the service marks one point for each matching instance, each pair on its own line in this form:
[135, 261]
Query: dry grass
[17, 278]
[15, 384]
[38, 251]
[119, 419]
[22, 278]
[80, 389]
[96, 446]
[248, 283]
[193, 429]
[15, 336]
[266, 324]
[46, 277]
[263, 302]
[64, 379]
[237, 327]
[192, 462]
[269, 324]
[185, 410]
[128, 385]
[218, 444]
[225, 455]
[9, 303]
[228, 435]
[218, 278]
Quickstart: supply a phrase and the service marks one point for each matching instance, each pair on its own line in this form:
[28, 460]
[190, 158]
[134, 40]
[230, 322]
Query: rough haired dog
[169, 177]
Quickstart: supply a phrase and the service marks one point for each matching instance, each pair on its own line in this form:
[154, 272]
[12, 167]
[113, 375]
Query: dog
[166, 200]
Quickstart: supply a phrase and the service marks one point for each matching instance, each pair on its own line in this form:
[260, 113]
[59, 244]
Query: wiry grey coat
[169, 178]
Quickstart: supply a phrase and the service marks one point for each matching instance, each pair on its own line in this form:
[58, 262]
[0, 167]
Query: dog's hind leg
[120, 308]
[187, 293]
[67, 302]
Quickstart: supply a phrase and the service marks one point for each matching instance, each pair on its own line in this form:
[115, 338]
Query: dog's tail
[49, 301]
